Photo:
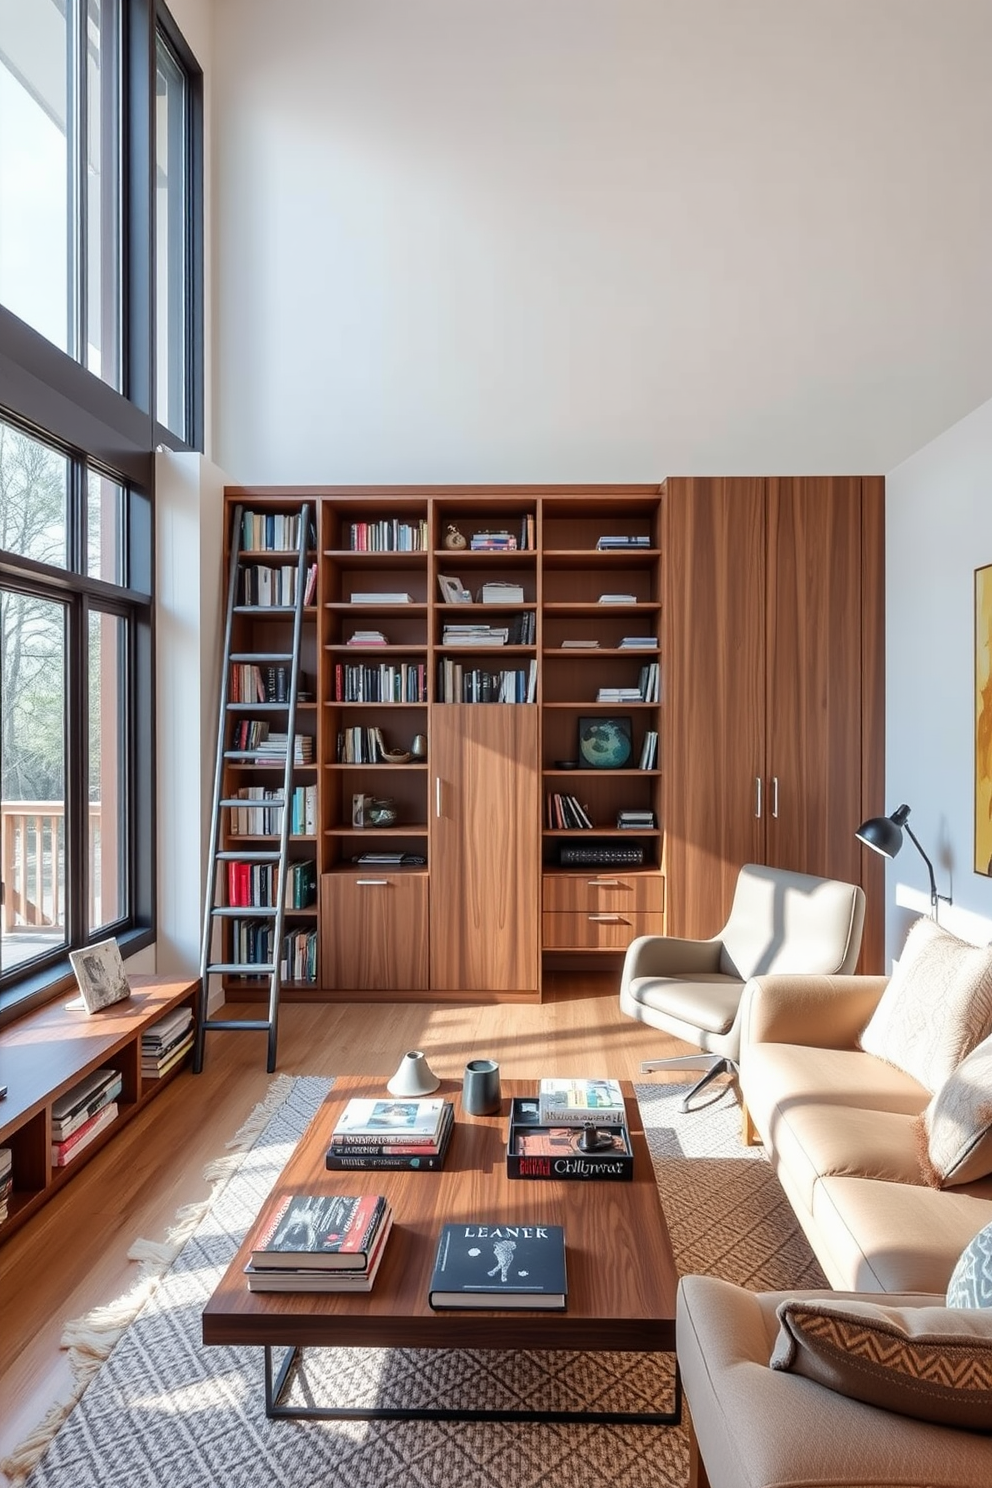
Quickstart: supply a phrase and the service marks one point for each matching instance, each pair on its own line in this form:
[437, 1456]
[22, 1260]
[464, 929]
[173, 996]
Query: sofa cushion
[932, 1363]
[936, 1008]
[956, 1127]
[971, 1280]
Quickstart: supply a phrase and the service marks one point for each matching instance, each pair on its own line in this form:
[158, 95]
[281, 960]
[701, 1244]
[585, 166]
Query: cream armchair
[779, 922]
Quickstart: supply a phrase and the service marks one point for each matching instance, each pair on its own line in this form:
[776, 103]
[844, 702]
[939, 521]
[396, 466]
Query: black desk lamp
[884, 834]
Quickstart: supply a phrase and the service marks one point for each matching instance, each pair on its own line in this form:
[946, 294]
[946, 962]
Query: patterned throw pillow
[936, 1007]
[956, 1127]
[934, 1363]
[971, 1280]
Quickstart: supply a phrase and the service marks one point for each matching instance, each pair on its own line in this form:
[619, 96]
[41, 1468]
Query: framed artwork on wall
[983, 720]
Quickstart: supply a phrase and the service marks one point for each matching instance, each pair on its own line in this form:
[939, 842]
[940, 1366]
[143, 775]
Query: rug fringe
[91, 1339]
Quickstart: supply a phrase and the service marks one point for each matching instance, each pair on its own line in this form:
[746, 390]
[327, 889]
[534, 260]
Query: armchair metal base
[711, 1064]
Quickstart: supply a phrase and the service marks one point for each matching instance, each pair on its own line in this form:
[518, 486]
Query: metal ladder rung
[244, 911]
[268, 804]
[261, 656]
[243, 968]
[266, 707]
[244, 609]
[253, 1025]
[232, 856]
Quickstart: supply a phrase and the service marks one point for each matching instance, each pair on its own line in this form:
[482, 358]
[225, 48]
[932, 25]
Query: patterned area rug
[163, 1409]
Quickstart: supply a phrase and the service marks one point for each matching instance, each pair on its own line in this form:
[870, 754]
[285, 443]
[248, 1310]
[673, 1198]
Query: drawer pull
[604, 883]
[607, 919]
[372, 883]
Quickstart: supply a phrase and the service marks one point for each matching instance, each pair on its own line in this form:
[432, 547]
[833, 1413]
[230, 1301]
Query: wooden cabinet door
[373, 931]
[485, 848]
[813, 764]
[714, 695]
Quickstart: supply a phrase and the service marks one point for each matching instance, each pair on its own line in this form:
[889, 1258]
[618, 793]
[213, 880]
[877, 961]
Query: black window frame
[56, 399]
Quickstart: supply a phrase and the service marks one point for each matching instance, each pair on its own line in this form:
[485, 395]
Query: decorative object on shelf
[382, 813]
[396, 756]
[591, 1139]
[359, 809]
[566, 764]
[101, 976]
[480, 1088]
[884, 835]
[453, 591]
[419, 747]
[413, 1076]
[453, 538]
[605, 743]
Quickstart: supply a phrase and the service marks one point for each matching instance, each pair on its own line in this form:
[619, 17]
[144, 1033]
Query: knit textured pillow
[934, 1363]
[956, 1127]
[936, 1007]
[971, 1280]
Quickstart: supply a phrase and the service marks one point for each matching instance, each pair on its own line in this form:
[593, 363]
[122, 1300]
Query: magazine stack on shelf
[403, 1133]
[319, 1243]
[6, 1181]
[79, 1116]
[166, 1043]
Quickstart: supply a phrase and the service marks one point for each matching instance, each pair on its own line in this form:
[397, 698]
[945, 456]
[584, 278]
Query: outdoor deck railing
[32, 844]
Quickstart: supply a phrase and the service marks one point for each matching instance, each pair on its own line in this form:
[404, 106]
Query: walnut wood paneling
[604, 891]
[484, 847]
[598, 930]
[872, 958]
[374, 930]
[714, 694]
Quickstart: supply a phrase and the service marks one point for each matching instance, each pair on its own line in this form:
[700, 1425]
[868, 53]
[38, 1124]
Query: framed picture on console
[101, 977]
[983, 720]
[605, 743]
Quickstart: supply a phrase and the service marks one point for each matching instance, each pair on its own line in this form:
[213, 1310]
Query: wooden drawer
[374, 930]
[598, 930]
[602, 890]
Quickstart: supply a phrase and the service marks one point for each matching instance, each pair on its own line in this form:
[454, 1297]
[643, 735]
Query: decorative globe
[605, 743]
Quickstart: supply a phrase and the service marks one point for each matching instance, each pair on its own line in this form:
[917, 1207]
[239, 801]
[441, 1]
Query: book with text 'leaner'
[500, 1266]
[321, 1231]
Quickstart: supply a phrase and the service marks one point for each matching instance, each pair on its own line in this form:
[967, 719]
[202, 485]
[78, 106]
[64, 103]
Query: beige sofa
[841, 1129]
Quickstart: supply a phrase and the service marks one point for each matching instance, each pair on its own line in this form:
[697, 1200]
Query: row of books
[265, 819]
[251, 944]
[166, 1043]
[251, 683]
[399, 1133]
[81, 1114]
[272, 532]
[6, 1181]
[649, 750]
[519, 630]
[502, 541]
[269, 588]
[458, 684]
[648, 689]
[254, 885]
[388, 535]
[319, 1243]
[361, 746]
[565, 813]
[299, 956]
[393, 682]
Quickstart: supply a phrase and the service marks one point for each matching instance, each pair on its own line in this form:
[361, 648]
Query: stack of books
[272, 749]
[639, 643]
[620, 695]
[635, 819]
[319, 1243]
[6, 1181]
[367, 638]
[392, 1133]
[493, 542]
[166, 1042]
[82, 1113]
[563, 1102]
[618, 599]
[622, 543]
[369, 597]
[475, 635]
[497, 593]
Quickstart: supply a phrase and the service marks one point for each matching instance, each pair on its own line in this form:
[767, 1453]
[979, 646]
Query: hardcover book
[391, 1121]
[322, 1231]
[313, 1279]
[579, 1102]
[347, 1146]
[500, 1266]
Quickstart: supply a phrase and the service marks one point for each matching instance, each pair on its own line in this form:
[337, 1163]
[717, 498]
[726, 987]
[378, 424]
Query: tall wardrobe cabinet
[774, 705]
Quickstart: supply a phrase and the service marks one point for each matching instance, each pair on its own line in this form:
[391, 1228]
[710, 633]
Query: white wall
[597, 239]
[939, 530]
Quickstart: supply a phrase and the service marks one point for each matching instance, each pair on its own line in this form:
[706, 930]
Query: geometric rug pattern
[164, 1410]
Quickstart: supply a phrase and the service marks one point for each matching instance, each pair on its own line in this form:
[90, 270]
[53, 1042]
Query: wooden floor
[72, 1256]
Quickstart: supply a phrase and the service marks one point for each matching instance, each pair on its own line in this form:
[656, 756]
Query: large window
[100, 361]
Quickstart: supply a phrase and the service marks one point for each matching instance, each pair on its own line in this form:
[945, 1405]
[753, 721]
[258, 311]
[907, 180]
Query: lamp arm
[934, 896]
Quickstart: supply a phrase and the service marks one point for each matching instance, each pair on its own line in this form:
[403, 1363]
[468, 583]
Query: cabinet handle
[437, 795]
[607, 919]
[372, 883]
[775, 796]
[604, 883]
[757, 796]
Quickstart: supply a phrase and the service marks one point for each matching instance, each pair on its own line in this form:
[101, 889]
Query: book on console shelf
[319, 1232]
[84, 1100]
[312, 1279]
[500, 1266]
[563, 1152]
[64, 1151]
[153, 1067]
[374, 1151]
[564, 1102]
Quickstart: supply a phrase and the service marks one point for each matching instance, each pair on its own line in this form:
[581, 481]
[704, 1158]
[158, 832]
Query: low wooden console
[45, 1053]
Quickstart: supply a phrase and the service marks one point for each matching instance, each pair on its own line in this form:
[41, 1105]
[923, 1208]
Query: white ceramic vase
[414, 1076]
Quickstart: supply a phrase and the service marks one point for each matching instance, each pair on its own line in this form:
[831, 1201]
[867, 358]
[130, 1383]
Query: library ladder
[218, 907]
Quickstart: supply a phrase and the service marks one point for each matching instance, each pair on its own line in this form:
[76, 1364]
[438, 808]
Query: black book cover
[501, 1266]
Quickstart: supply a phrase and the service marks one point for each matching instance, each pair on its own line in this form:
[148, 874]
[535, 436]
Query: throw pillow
[936, 1007]
[971, 1280]
[956, 1127]
[933, 1363]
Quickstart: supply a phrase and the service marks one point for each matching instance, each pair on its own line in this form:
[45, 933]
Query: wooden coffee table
[621, 1272]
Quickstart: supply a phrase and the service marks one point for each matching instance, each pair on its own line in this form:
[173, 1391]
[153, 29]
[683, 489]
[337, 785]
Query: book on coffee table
[327, 1232]
[580, 1102]
[499, 1266]
[312, 1279]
